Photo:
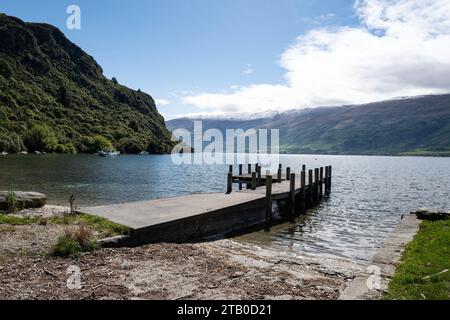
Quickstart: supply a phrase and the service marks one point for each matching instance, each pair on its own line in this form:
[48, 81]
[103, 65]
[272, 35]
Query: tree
[131, 146]
[41, 138]
[114, 80]
[99, 143]
[11, 142]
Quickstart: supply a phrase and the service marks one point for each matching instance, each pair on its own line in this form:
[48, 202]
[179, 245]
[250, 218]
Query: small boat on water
[144, 153]
[108, 153]
[4, 153]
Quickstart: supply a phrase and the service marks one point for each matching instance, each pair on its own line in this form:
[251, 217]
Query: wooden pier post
[292, 197]
[256, 167]
[279, 174]
[310, 187]
[268, 200]
[253, 180]
[316, 185]
[321, 184]
[288, 173]
[240, 174]
[231, 169]
[229, 183]
[303, 190]
[304, 167]
[249, 169]
[329, 182]
[259, 176]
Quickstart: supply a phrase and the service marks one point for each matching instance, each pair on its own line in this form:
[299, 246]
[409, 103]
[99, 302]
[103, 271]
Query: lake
[369, 192]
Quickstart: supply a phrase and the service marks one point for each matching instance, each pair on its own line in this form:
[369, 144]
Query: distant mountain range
[55, 98]
[407, 126]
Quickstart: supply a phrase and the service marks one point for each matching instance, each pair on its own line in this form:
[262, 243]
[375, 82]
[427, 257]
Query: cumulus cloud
[162, 102]
[400, 48]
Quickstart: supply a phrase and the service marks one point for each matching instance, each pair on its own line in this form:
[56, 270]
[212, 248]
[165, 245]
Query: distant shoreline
[443, 154]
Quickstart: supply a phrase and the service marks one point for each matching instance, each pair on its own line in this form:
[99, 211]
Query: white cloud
[162, 102]
[401, 48]
[318, 20]
[248, 70]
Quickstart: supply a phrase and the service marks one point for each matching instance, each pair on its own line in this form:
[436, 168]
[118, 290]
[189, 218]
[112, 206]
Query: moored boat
[108, 153]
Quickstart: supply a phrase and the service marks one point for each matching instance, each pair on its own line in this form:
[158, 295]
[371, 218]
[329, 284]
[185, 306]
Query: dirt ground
[225, 269]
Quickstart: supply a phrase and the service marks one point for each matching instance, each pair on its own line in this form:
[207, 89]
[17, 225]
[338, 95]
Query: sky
[228, 57]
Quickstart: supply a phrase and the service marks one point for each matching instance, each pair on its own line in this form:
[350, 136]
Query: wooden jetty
[212, 215]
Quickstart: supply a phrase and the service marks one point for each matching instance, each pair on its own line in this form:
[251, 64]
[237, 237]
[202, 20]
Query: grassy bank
[103, 227]
[424, 269]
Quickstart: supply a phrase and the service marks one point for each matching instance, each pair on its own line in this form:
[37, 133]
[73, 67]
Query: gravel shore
[225, 269]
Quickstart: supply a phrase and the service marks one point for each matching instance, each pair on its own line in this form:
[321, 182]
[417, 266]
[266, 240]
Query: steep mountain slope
[416, 126]
[54, 97]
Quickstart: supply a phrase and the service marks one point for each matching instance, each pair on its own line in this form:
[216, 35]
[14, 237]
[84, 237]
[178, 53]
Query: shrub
[12, 205]
[65, 148]
[64, 96]
[131, 146]
[11, 142]
[134, 125]
[41, 138]
[75, 242]
[99, 143]
[66, 247]
[5, 69]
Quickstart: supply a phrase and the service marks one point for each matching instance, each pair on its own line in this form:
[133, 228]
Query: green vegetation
[103, 227]
[6, 219]
[55, 98]
[42, 138]
[74, 242]
[424, 270]
[99, 143]
[12, 204]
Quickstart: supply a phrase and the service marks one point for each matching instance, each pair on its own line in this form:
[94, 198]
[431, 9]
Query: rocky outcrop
[431, 214]
[22, 200]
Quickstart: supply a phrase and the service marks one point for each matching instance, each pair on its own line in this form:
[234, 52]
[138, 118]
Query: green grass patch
[17, 221]
[75, 242]
[102, 226]
[422, 273]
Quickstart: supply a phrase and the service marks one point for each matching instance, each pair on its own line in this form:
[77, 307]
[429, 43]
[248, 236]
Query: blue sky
[228, 56]
[170, 47]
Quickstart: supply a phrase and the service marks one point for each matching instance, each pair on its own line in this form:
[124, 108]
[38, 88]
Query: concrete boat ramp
[183, 218]
[204, 216]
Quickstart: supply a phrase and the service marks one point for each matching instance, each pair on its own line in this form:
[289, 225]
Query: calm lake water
[369, 193]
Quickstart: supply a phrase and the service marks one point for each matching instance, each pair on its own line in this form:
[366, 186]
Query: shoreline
[438, 154]
[222, 269]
